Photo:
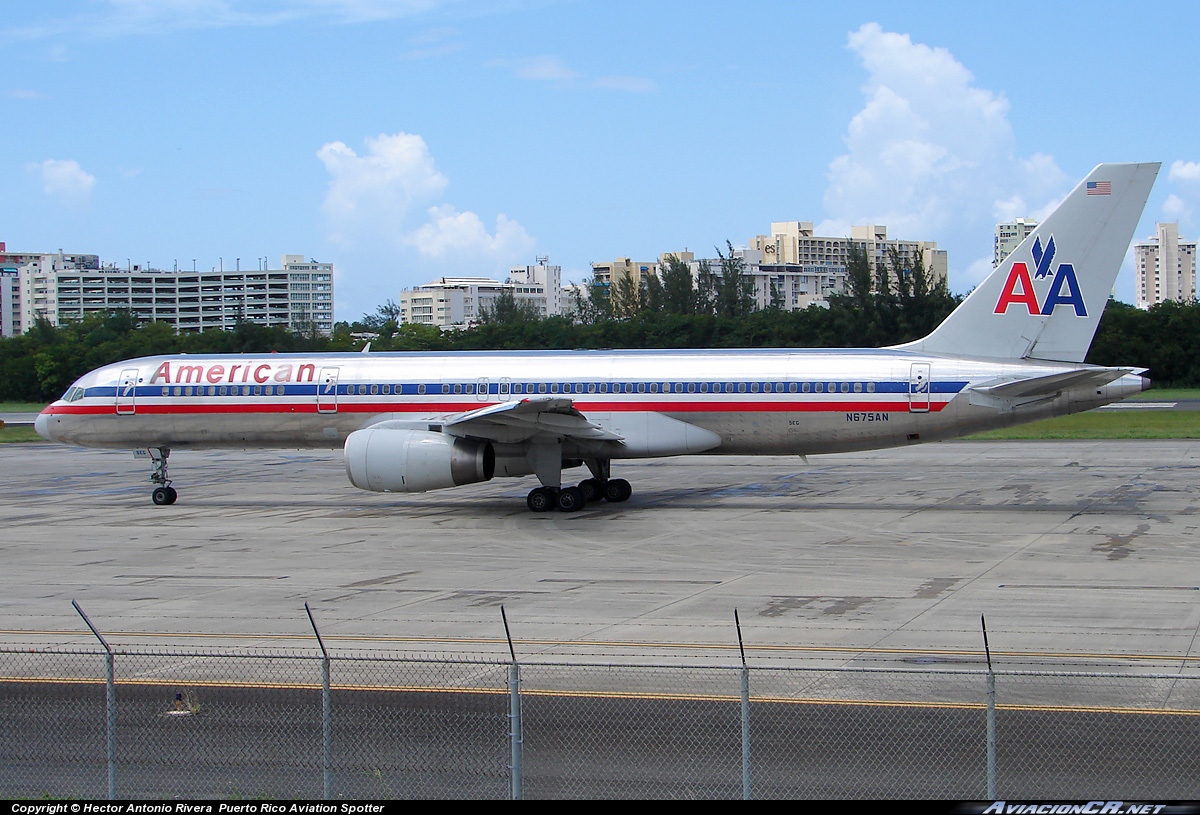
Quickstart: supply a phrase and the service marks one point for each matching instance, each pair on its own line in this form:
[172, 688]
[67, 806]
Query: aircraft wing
[511, 422]
[1050, 384]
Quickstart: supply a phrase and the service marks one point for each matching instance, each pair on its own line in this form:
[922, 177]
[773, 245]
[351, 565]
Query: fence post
[326, 713]
[514, 713]
[746, 788]
[110, 705]
[991, 717]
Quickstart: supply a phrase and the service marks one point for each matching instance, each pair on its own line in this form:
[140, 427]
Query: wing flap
[512, 422]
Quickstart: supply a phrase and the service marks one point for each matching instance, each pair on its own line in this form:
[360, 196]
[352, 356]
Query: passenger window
[741, 387]
[374, 390]
[858, 387]
[766, 387]
[421, 389]
[445, 388]
[845, 387]
[820, 386]
[870, 387]
[541, 387]
[754, 387]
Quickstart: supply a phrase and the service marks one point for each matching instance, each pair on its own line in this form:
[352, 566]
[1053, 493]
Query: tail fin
[1045, 300]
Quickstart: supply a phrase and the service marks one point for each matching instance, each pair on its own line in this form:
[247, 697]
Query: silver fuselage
[764, 402]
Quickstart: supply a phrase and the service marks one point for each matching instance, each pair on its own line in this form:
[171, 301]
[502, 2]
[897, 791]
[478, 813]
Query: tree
[735, 288]
[628, 297]
[679, 290]
[506, 309]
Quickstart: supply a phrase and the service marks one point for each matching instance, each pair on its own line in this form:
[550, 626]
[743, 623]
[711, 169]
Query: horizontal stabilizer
[1050, 384]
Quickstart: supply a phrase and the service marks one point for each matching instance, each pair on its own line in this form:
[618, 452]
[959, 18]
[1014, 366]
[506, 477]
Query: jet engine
[395, 460]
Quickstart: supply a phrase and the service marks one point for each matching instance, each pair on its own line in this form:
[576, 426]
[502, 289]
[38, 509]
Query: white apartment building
[1165, 267]
[1009, 236]
[10, 312]
[299, 295]
[459, 302]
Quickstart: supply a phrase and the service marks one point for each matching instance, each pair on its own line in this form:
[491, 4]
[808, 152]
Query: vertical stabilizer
[1045, 300]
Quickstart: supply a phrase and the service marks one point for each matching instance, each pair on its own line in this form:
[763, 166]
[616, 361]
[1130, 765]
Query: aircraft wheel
[540, 499]
[570, 499]
[617, 490]
[172, 495]
[591, 489]
[162, 496]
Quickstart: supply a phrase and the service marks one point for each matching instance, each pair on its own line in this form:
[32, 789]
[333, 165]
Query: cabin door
[126, 390]
[918, 388]
[327, 387]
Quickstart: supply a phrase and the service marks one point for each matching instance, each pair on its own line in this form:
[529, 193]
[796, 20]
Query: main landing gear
[570, 499]
[164, 493]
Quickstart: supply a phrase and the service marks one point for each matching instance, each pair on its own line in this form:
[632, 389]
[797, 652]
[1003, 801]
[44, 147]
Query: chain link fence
[193, 724]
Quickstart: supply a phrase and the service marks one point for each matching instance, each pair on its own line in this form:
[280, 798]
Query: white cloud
[451, 233]
[1184, 171]
[554, 69]
[545, 69]
[117, 18]
[377, 190]
[65, 180]
[931, 154]
[1176, 208]
[386, 213]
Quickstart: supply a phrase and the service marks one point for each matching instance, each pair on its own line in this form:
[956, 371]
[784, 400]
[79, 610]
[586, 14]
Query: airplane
[1011, 352]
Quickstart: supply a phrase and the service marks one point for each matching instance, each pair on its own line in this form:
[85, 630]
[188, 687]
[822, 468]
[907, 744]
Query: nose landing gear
[164, 494]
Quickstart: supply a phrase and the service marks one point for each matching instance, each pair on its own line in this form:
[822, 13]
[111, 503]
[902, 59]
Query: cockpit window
[73, 394]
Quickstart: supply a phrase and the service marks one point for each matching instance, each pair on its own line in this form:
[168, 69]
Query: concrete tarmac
[1082, 555]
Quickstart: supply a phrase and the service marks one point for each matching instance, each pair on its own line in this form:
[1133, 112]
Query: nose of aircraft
[42, 425]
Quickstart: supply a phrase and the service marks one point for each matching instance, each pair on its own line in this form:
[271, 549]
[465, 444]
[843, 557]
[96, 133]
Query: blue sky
[408, 139]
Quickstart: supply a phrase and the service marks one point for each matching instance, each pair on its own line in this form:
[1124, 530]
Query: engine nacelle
[394, 460]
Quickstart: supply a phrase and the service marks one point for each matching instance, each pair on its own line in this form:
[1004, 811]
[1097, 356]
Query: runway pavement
[1080, 554]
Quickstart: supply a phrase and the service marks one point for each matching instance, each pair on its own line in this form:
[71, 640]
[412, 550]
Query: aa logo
[1019, 289]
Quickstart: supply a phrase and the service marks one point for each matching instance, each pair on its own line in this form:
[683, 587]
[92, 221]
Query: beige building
[1165, 267]
[1009, 236]
[806, 268]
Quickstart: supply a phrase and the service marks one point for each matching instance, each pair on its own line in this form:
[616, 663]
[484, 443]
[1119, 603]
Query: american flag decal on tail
[1099, 188]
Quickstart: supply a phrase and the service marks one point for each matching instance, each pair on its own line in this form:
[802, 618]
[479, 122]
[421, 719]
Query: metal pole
[991, 716]
[110, 704]
[514, 712]
[326, 712]
[746, 787]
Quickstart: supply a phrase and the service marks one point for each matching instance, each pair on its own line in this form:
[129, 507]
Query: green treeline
[886, 305]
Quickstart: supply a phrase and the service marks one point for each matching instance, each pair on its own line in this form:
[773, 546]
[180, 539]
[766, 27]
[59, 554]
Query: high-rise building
[59, 289]
[1165, 267]
[1009, 236]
